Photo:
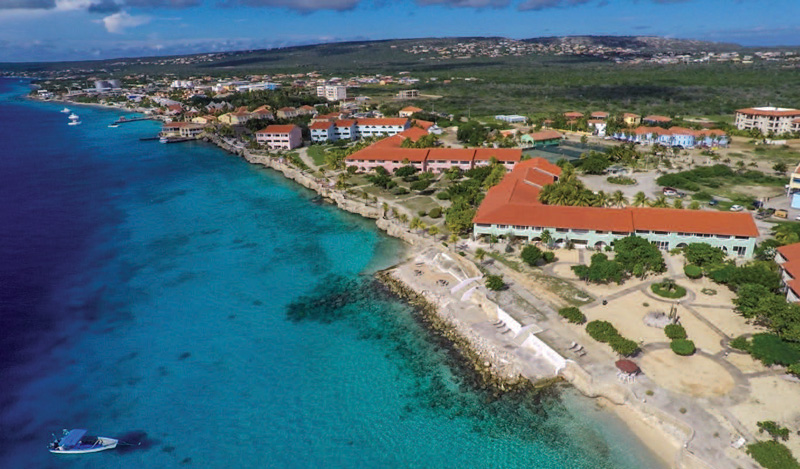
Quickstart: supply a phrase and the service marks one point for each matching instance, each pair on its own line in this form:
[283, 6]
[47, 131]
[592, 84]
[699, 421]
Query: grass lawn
[317, 153]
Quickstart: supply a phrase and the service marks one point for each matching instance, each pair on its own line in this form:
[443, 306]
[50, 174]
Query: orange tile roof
[502, 154]
[423, 124]
[545, 135]
[762, 112]
[320, 125]
[413, 133]
[345, 123]
[794, 285]
[792, 267]
[595, 121]
[790, 252]
[277, 129]
[395, 141]
[655, 118]
[371, 153]
[451, 154]
[514, 201]
[600, 114]
[630, 114]
[694, 221]
[411, 109]
[573, 114]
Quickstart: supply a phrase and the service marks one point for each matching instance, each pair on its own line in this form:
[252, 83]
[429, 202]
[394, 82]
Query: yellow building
[631, 120]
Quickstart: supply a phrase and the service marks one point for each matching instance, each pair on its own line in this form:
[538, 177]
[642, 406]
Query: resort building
[376, 127]
[262, 112]
[573, 115]
[545, 138]
[322, 132]
[182, 129]
[508, 157]
[598, 126]
[511, 119]
[332, 92]
[654, 119]
[345, 129]
[390, 158]
[674, 137]
[287, 113]
[600, 115]
[280, 137]
[631, 119]
[513, 208]
[237, 117]
[408, 94]
[409, 111]
[788, 259]
[775, 120]
[442, 159]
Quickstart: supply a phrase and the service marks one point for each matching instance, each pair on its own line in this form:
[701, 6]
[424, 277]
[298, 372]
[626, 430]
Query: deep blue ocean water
[178, 297]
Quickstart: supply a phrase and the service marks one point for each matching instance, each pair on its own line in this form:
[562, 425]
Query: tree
[480, 254]
[433, 231]
[775, 431]
[601, 199]
[780, 167]
[694, 205]
[492, 240]
[640, 199]
[531, 254]
[618, 199]
[495, 282]
[495, 176]
[595, 163]
[678, 204]
[660, 202]
[458, 217]
[600, 270]
[638, 256]
[384, 208]
[547, 238]
[703, 254]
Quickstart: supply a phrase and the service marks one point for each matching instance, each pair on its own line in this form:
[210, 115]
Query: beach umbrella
[627, 366]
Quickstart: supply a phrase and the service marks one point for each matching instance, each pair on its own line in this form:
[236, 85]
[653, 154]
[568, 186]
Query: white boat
[113, 126]
[66, 110]
[73, 119]
[73, 116]
[77, 442]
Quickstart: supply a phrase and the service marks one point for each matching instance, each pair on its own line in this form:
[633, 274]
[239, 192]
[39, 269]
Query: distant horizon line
[361, 41]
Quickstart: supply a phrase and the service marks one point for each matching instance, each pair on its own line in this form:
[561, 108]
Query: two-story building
[512, 208]
[788, 259]
[280, 137]
[381, 127]
[324, 131]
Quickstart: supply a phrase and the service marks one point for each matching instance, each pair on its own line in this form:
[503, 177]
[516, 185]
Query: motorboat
[73, 119]
[66, 110]
[113, 126]
[77, 442]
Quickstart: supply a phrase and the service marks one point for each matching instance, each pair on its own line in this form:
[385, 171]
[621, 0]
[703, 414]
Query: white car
[736, 208]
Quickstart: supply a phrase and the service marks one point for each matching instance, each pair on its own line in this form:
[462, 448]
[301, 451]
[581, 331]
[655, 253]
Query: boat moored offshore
[66, 110]
[77, 442]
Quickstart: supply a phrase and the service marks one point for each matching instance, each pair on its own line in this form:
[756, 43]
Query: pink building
[389, 158]
[507, 156]
[280, 137]
[442, 159]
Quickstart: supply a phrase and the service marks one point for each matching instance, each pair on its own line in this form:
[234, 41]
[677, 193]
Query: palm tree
[480, 254]
[618, 199]
[492, 240]
[385, 208]
[640, 199]
[547, 237]
[341, 181]
[584, 199]
[403, 218]
[660, 202]
[433, 231]
[453, 238]
[601, 199]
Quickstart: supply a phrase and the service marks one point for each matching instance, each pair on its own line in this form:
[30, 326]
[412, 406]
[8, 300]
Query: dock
[123, 120]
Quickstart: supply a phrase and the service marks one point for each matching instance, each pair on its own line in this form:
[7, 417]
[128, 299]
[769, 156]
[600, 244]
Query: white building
[777, 120]
[386, 127]
[511, 119]
[332, 92]
[186, 84]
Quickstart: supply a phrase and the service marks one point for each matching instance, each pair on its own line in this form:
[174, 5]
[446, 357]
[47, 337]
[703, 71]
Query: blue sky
[32, 30]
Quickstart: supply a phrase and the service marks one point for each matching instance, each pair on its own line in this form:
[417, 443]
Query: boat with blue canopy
[77, 442]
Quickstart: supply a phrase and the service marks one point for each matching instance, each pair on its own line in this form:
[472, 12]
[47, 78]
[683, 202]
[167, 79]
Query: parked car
[669, 192]
[780, 214]
[713, 202]
[736, 208]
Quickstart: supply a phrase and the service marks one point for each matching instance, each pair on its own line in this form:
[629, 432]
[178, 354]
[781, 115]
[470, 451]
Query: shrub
[572, 314]
[771, 349]
[740, 343]
[400, 191]
[435, 212]
[531, 254]
[772, 455]
[548, 256]
[703, 254]
[495, 282]
[443, 195]
[668, 289]
[775, 431]
[621, 180]
[422, 213]
[682, 347]
[795, 369]
[623, 346]
[675, 331]
[692, 271]
[601, 331]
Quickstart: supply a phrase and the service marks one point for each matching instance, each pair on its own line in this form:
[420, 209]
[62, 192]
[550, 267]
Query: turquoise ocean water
[176, 296]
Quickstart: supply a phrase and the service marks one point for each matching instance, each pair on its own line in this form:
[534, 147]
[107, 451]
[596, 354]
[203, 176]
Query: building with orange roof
[389, 157]
[345, 129]
[573, 115]
[630, 119]
[775, 120]
[788, 259]
[413, 133]
[408, 111]
[512, 207]
[598, 126]
[442, 159]
[543, 138]
[323, 131]
[376, 127]
[509, 157]
[656, 119]
[280, 137]
[600, 115]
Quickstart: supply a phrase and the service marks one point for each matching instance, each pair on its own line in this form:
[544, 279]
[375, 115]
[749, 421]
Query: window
[740, 250]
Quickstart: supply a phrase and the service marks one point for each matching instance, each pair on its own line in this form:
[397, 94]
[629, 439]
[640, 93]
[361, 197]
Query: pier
[123, 120]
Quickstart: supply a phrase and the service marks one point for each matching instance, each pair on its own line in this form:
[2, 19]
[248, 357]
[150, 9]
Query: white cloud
[119, 22]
